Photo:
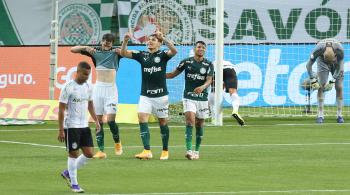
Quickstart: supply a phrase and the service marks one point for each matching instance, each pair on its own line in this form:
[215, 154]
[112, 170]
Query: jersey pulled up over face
[196, 74]
[335, 68]
[104, 59]
[153, 68]
[76, 96]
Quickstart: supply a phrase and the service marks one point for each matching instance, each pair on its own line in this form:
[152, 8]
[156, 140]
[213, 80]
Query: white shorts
[201, 108]
[158, 106]
[105, 97]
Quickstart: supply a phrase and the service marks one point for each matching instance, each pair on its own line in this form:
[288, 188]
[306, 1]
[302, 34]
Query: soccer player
[330, 59]
[154, 92]
[105, 94]
[230, 86]
[75, 100]
[198, 77]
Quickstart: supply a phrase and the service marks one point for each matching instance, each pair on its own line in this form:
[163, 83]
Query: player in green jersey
[198, 77]
[154, 92]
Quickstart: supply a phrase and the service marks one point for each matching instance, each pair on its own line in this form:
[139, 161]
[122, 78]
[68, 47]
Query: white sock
[235, 102]
[320, 107]
[81, 161]
[72, 169]
[339, 107]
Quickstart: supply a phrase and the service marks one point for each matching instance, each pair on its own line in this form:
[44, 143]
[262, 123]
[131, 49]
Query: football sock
[235, 102]
[115, 130]
[188, 136]
[81, 161]
[72, 169]
[199, 135]
[145, 136]
[340, 103]
[100, 137]
[320, 107]
[164, 132]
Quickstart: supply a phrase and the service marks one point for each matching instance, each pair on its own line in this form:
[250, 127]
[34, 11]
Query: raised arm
[172, 49]
[124, 52]
[79, 49]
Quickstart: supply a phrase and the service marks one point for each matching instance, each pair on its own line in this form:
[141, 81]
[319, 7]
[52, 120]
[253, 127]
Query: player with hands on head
[105, 94]
[154, 93]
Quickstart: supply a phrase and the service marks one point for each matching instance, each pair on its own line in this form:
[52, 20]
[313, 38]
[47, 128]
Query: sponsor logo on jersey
[193, 94]
[196, 76]
[155, 91]
[152, 69]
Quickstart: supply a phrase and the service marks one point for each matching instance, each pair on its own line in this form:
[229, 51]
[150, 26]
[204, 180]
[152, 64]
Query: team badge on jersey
[202, 70]
[157, 59]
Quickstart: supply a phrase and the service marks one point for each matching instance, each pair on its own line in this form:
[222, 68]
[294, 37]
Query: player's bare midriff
[106, 76]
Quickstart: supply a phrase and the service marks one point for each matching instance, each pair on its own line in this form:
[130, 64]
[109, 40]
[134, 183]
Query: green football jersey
[153, 68]
[196, 74]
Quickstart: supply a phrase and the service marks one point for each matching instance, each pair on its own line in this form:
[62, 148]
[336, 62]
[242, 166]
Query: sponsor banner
[248, 21]
[25, 71]
[29, 22]
[268, 75]
[48, 110]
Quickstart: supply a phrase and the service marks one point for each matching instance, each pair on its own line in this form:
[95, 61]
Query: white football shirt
[76, 96]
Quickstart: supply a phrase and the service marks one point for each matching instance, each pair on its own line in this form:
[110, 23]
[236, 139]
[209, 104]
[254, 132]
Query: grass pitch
[268, 156]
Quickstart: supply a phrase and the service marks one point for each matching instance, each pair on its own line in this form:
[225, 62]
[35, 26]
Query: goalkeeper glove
[329, 85]
[314, 84]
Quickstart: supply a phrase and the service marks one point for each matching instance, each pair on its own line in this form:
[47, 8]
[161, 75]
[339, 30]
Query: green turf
[262, 156]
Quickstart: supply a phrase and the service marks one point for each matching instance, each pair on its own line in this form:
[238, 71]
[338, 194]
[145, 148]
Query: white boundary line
[244, 192]
[180, 146]
[182, 126]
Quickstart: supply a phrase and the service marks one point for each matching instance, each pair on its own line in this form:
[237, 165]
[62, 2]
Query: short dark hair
[200, 42]
[84, 65]
[154, 35]
[108, 37]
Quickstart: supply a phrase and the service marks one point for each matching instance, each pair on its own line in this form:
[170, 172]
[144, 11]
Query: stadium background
[24, 51]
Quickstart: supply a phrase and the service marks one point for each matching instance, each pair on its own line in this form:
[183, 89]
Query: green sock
[199, 135]
[164, 133]
[100, 137]
[115, 130]
[145, 136]
[189, 137]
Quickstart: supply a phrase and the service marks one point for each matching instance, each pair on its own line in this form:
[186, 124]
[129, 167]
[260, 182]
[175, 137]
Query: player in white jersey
[329, 54]
[74, 102]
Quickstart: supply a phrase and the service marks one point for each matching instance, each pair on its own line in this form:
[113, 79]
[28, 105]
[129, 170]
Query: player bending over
[329, 54]
[230, 86]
